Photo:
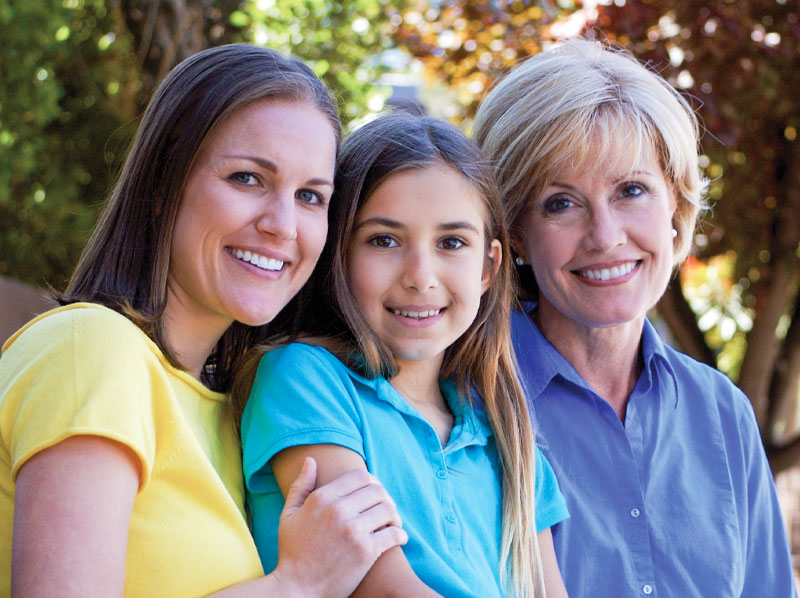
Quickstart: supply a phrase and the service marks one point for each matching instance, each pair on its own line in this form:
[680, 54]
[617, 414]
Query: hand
[329, 538]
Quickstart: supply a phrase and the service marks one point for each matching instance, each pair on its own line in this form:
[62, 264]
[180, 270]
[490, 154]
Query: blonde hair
[550, 113]
[481, 360]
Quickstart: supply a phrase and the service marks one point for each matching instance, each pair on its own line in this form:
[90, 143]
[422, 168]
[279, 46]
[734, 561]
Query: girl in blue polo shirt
[400, 362]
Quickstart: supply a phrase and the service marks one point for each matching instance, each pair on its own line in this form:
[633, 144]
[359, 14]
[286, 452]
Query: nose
[279, 216]
[419, 272]
[606, 230]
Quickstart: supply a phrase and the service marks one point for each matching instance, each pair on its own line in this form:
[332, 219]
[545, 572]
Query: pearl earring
[519, 261]
[674, 233]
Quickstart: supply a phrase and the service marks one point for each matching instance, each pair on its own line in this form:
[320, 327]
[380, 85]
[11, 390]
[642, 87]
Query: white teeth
[259, 261]
[608, 273]
[416, 314]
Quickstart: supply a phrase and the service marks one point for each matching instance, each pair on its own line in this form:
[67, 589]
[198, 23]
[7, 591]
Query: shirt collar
[654, 352]
[530, 344]
[471, 426]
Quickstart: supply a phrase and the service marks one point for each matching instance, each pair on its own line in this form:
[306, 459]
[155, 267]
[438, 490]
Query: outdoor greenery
[75, 75]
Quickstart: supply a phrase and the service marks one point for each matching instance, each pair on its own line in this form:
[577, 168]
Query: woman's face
[253, 216]
[600, 244]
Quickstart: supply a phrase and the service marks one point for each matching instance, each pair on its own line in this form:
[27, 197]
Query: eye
[247, 179]
[558, 203]
[632, 190]
[451, 243]
[310, 197]
[383, 241]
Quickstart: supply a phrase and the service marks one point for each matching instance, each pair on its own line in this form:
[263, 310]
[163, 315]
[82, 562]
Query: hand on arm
[352, 525]
[72, 511]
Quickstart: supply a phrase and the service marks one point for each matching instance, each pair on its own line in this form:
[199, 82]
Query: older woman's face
[254, 215]
[600, 244]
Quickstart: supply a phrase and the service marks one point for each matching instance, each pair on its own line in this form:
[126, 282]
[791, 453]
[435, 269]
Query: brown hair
[125, 263]
[481, 359]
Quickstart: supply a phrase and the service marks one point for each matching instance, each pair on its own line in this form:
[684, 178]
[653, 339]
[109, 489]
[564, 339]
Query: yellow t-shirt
[85, 369]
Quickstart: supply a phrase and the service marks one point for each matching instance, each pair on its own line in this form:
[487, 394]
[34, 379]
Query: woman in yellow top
[120, 470]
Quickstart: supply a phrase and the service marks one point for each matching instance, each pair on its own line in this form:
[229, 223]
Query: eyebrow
[394, 224]
[616, 181]
[270, 166]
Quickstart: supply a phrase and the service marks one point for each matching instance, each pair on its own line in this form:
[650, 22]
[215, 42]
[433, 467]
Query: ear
[492, 264]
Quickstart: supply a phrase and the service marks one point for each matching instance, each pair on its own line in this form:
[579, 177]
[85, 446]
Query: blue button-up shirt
[677, 500]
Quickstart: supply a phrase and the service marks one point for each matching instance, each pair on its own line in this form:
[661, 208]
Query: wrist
[286, 585]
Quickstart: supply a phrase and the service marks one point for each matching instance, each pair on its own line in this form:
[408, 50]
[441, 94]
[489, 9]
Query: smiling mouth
[417, 315]
[259, 261]
[608, 273]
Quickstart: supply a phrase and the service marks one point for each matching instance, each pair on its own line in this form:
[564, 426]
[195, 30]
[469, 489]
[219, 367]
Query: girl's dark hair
[481, 359]
[125, 263]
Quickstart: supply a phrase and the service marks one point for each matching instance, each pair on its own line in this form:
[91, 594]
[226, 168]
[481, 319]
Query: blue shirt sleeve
[301, 395]
[550, 507]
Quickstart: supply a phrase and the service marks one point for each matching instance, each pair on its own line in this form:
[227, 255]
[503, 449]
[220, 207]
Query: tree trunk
[682, 324]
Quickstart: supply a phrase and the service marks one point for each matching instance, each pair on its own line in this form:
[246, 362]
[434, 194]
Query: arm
[390, 575]
[552, 576]
[72, 511]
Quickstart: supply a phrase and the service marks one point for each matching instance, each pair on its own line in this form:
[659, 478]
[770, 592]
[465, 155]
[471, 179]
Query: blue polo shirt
[676, 501]
[450, 499]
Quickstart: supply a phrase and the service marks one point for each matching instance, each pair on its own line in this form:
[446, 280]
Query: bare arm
[552, 576]
[72, 510]
[390, 575]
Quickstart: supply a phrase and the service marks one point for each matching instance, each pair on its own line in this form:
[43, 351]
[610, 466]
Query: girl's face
[600, 243]
[418, 260]
[253, 216]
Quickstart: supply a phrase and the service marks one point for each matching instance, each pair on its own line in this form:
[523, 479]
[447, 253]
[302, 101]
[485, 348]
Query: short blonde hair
[549, 114]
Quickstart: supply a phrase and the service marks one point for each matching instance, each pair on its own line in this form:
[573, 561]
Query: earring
[519, 261]
[674, 233]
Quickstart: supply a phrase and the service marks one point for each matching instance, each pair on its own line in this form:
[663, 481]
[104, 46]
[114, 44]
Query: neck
[418, 383]
[191, 337]
[606, 358]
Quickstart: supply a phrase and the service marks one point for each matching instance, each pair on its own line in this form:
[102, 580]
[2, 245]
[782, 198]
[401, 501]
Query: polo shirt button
[441, 474]
[451, 518]
[647, 589]
[635, 512]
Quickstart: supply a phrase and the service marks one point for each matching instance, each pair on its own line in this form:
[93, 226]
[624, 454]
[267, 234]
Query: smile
[608, 273]
[259, 261]
[417, 315]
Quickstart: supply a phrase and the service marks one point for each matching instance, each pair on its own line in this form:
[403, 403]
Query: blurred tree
[76, 74]
[741, 63]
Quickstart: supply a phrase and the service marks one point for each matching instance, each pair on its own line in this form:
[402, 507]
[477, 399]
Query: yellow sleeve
[78, 370]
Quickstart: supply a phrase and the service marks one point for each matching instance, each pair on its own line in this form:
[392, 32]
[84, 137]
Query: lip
[413, 321]
[270, 255]
[595, 274]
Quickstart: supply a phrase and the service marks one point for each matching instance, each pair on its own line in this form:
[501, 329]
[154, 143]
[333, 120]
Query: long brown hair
[125, 263]
[481, 359]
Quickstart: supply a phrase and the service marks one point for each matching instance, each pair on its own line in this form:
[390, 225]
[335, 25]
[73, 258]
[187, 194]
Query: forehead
[431, 193]
[613, 147]
[278, 124]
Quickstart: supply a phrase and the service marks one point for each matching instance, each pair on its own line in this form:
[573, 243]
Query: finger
[377, 517]
[387, 538]
[302, 485]
[347, 483]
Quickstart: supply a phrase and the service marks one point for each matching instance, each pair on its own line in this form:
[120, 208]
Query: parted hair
[481, 360]
[568, 108]
[125, 263]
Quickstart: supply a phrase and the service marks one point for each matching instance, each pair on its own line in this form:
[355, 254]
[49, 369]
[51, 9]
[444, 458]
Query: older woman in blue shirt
[658, 456]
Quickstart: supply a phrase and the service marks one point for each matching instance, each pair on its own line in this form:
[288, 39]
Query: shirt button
[647, 589]
[635, 513]
[441, 474]
[451, 518]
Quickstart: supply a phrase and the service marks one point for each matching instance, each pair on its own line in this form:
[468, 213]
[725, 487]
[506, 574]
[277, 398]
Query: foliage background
[75, 75]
